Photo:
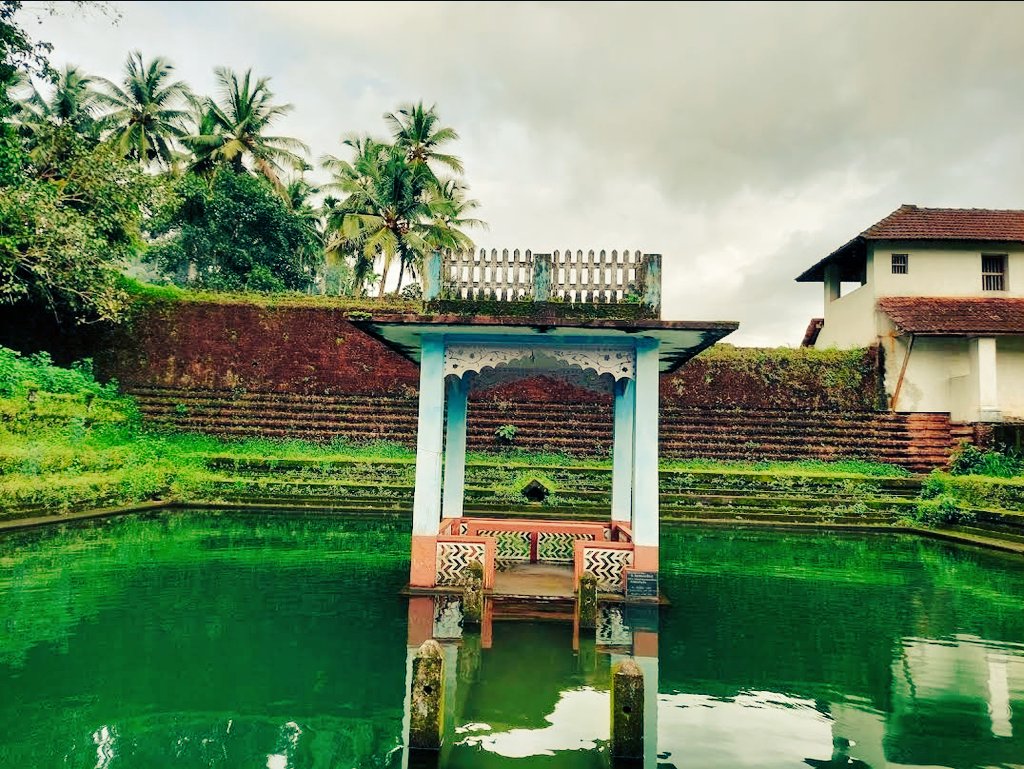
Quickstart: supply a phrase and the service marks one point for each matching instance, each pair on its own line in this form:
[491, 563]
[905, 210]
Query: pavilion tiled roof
[955, 316]
[909, 222]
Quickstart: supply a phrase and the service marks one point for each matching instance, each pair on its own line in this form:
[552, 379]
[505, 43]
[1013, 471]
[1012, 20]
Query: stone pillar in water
[586, 602]
[627, 710]
[473, 594]
[426, 697]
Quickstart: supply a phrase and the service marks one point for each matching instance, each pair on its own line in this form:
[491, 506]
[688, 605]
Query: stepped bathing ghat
[591, 318]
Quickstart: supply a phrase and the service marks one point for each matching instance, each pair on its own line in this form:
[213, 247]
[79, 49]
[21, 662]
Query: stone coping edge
[948, 535]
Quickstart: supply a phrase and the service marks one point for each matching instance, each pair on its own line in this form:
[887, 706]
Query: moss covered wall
[777, 378]
[298, 348]
[252, 347]
[302, 370]
[313, 349]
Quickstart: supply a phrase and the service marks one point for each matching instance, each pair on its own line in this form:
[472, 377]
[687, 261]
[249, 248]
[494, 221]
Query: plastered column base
[645, 558]
[423, 570]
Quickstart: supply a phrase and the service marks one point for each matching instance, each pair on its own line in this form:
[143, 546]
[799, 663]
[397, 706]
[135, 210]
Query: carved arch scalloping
[585, 379]
[461, 357]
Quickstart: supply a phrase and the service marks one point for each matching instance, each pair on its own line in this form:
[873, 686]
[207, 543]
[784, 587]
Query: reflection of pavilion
[459, 352]
[496, 707]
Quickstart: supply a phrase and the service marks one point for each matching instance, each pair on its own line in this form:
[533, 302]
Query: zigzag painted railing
[604, 548]
[585, 277]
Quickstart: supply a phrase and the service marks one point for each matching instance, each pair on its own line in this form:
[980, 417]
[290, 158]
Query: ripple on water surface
[221, 640]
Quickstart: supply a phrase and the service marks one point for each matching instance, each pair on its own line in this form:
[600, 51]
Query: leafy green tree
[234, 232]
[147, 110]
[70, 217]
[19, 56]
[234, 129]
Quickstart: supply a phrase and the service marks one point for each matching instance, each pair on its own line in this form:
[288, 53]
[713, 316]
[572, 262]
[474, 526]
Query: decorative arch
[473, 357]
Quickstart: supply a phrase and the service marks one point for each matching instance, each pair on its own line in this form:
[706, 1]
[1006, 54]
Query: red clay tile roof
[910, 222]
[955, 316]
[913, 223]
[811, 334]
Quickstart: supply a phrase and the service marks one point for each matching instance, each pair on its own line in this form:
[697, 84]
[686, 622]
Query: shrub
[968, 459]
[941, 510]
[506, 433]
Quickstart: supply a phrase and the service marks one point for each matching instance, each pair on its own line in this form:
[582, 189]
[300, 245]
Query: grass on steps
[68, 442]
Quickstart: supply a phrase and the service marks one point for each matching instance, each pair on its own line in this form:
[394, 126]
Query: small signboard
[641, 584]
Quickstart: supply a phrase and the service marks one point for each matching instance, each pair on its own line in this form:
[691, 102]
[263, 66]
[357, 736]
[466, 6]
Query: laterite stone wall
[306, 372]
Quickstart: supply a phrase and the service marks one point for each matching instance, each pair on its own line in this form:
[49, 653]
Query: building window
[993, 272]
[900, 264]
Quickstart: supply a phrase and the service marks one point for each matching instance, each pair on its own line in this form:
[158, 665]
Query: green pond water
[197, 639]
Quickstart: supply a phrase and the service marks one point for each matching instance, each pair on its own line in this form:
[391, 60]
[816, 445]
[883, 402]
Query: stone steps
[918, 442]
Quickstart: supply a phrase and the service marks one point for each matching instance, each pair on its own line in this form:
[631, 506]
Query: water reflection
[850, 692]
[281, 641]
[529, 683]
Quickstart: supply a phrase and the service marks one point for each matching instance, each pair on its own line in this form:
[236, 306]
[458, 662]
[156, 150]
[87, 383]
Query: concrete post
[473, 594]
[645, 456]
[455, 447]
[426, 710]
[652, 283]
[627, 703]
[426, 506]
[541, 277]
[586, 601]
[432, 276]
[622, 451]
[983, 372]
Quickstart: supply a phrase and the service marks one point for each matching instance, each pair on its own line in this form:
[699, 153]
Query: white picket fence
[596, 277]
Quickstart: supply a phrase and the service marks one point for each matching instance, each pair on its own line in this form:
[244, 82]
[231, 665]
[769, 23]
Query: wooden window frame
[993, 279]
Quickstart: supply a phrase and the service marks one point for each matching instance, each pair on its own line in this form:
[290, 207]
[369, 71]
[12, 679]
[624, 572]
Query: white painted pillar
[645, 451]
[983, 365]
[649, 666]
[622, 451]
[455, 447]
[831, 281]
[426, 506]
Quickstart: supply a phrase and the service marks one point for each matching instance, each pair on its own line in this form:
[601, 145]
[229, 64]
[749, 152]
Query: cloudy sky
[741, 141]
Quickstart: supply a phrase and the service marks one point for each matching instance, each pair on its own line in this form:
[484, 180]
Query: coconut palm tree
[234, 130]
[390, 207]
[74, 103]
[199, 122]
[447, 212]
[415, 130]
[381, 208]
[148, 112]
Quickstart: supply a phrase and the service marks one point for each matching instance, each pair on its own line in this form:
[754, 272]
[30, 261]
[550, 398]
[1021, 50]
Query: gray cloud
[743, 141]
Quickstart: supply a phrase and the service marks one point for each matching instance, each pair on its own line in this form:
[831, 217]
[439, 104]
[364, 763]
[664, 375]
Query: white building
[942, 291]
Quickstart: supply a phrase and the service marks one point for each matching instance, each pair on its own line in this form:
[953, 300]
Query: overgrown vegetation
[803, 377]
[136, 172]
[68, 442]
[968, 459]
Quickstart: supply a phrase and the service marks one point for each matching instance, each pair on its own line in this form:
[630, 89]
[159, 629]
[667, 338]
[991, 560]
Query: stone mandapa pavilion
[592, 318]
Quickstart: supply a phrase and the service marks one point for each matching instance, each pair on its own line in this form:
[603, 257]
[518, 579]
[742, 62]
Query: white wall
[850, 320]
[940, 270]
[935, 376]
[1010, 376]
[939, 376]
